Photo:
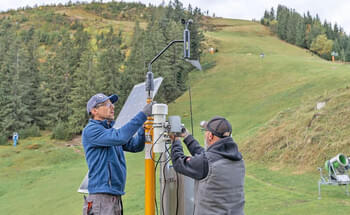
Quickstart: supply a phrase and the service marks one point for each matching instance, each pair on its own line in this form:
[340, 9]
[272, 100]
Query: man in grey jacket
[218, 171]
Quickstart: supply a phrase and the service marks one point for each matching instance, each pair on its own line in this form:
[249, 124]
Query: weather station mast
[156, 143]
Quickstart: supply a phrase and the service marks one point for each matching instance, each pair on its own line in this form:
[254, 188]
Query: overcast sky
[336, 11]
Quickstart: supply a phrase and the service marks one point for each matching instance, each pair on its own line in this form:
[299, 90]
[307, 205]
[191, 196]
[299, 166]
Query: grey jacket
[219, 174]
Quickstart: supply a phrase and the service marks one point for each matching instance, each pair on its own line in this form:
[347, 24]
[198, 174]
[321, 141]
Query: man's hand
[173, 137]
[148, 109]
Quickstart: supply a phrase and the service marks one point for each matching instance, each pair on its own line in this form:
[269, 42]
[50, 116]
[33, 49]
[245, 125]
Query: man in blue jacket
[104, 148]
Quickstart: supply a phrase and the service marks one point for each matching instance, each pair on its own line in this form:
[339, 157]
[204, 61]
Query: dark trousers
[102, 204]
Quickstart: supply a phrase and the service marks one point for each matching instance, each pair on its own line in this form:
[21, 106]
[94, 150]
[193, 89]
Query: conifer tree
[300, 33]
[109, 64]
[15, 114]
[34, 93]
[347, 52]
[136, 68]
[83, 88]
[291, 27]
[58, 80]
[282, 18]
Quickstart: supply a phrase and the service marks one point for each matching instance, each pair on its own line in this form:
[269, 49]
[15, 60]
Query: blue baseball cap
[100, 98]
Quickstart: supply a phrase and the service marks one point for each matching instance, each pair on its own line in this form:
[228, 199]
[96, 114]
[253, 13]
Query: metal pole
[149, 167]
[161, 52]
[149, 154]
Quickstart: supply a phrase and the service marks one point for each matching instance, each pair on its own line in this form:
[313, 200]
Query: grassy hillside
[305, 136]
[42, 176]
[250, 90]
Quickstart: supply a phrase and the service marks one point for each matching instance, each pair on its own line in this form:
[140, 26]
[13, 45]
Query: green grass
[282, 192]
[40, 176]
[41, 185]
[239, 85]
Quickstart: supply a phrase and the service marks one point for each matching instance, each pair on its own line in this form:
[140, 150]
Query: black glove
[148, 109]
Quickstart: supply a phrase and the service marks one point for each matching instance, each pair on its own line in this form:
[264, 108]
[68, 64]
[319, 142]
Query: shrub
[32, 131]
[3, 140]
[62, 132]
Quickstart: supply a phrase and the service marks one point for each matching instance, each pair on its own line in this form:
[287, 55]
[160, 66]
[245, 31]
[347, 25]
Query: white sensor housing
[159, 111]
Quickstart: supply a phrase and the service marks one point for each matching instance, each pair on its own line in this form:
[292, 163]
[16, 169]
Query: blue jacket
[104, 148]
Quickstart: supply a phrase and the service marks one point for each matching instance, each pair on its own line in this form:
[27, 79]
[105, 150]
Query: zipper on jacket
[110, 174]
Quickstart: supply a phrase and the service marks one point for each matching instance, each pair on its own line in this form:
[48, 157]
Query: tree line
[309, 32]
[46, 78]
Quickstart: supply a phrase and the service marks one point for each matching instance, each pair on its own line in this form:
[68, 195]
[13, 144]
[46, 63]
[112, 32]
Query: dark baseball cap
[100, 98]
[219, 126]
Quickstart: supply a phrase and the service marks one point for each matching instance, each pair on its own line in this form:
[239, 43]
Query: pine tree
[282, 18]
[328, 30]
[272, 14]
[34, 93]
[291, 27]
[6, 35]
[300, 33]
[347, 52]
[15, 114]
[110, 61]
[83, 88]
[154, 43]
[266, 15]
[136, 68]
[58, 80]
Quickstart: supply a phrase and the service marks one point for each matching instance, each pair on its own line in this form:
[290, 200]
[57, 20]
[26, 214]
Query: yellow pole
[149, 167]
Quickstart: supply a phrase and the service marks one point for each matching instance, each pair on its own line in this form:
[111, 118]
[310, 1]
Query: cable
[155, 169]
[150, 152]
[155, 174]
[155, 199]
[177, 193]
[164, 176]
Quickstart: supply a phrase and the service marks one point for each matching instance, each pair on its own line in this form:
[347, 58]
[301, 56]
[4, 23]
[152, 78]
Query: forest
[324, 39]
[51, 63]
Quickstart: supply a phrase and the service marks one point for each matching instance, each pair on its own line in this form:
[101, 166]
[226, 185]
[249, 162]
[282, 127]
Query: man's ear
[211, 136]
[93, 111]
